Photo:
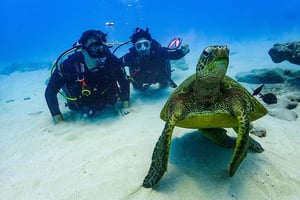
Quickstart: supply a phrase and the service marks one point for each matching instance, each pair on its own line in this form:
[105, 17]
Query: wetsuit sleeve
[56, 82]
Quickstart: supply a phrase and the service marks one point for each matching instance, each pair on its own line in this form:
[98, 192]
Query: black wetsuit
[107, 83]
[152, 68]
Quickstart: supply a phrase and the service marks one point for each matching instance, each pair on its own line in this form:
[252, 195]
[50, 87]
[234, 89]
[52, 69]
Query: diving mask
[97, 50]
[143, 45]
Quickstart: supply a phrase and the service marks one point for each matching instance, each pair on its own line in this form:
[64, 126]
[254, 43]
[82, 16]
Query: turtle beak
[222, 51]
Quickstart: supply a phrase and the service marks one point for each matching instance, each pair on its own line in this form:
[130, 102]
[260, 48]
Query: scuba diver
[91, 78]
[149, 62]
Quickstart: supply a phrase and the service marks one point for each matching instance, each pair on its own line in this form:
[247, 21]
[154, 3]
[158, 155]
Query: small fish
[35, 113]
[9, 101]
[269, 98]
[258, 90]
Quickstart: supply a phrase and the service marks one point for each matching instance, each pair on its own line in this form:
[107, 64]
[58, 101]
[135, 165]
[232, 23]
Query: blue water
[36, 30]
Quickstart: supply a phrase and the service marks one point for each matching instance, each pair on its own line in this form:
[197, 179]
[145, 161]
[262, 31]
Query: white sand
[107, 157]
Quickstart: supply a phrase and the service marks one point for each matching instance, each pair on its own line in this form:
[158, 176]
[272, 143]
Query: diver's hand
[122, 107]
[173, 84]
[58, 119]
[185, 49]
[125, 108]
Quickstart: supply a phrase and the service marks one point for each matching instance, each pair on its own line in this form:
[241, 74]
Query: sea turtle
[208, 101]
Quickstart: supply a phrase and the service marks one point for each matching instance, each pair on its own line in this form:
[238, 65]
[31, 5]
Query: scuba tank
[76, 48]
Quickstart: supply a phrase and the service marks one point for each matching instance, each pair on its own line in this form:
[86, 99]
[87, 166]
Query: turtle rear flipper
[253, 144]
[160, 156]
[218, 136]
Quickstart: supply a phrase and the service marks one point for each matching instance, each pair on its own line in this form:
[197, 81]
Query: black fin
[258, 90]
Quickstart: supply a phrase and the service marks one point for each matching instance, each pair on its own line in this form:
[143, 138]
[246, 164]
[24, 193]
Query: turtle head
[213, 63]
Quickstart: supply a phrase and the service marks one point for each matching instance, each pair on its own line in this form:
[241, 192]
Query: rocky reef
[280, 90]
[286, 51]
[270, 76]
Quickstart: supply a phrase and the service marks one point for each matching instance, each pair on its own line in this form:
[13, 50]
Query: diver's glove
[122, 107]
[58, 118]
[185, 49]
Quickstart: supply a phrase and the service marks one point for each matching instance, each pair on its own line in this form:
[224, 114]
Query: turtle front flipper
[242, 142]
[160, 155]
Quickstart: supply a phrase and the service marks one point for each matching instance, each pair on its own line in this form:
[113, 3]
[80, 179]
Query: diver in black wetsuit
[149, 62]
[91, 78]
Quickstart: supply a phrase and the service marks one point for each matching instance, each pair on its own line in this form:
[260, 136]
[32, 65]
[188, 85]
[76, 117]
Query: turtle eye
[201, 67]
[205, 53]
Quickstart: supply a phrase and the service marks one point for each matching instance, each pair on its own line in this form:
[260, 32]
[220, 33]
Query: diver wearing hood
[149, 62]
[91, 77]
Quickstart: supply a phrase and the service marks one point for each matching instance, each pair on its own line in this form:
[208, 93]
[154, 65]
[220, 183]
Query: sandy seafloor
[108, 156]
